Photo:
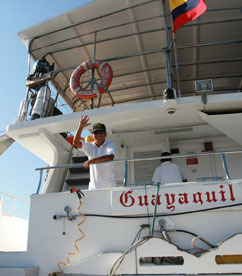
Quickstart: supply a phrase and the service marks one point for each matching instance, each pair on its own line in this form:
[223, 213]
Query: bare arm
[83, 123]
[101, 159]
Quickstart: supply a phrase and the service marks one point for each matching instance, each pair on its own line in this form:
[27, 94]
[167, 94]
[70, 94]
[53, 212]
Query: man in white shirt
[168, 172]
[99, 151]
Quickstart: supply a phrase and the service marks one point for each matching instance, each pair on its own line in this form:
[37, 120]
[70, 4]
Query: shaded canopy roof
[131, 37]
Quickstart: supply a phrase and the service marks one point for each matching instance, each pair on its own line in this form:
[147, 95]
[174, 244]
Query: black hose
[162, 215]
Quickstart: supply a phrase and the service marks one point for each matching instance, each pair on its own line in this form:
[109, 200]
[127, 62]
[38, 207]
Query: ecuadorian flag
[184, 11]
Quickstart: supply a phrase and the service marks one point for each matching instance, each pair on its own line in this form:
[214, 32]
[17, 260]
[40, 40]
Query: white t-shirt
[168, 172]
[101, 174]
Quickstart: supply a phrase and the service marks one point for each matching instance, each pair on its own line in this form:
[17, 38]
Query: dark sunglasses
[99, 132]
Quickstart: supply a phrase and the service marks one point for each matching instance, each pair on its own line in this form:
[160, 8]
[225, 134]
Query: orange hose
[74, 243]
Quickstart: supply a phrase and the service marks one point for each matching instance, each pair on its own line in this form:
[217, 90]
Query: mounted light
[159, 130]
[170, 102]
[169, 93]
[171, 110]
[173, 130]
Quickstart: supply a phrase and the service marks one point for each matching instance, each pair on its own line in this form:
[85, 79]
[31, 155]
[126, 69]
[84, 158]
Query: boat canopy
[136, 39]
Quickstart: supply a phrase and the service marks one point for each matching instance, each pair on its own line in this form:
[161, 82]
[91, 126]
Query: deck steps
[78, 170]
[77, 181]
[79, 159]
[77, 177]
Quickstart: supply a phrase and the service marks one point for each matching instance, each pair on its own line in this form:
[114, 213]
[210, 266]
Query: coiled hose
[80, 195]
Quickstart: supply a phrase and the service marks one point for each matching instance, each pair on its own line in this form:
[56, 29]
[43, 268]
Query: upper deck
[133, 38]
[138, 43]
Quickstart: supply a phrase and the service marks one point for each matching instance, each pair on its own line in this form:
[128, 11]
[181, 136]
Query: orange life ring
[98, 88]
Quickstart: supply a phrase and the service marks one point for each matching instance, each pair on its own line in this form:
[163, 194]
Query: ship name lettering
[153, 200]
[126, 199]
[172, 200]
[143, 202]
[197, 197]
[183, 198]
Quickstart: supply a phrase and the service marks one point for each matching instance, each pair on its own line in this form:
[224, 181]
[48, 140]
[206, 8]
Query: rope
[129, 250]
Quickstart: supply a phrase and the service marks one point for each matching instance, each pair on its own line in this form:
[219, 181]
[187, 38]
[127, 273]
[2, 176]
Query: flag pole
[168, 66]
[176, 57]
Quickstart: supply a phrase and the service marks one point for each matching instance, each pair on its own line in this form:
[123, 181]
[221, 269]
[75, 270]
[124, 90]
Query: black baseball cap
[99, 126]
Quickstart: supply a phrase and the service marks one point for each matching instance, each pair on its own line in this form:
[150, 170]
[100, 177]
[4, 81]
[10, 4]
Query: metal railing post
[154, 215]
[13, 207]
[93, 72]
[225, 166]
[125, 173]
[40, 181]
[95, 46]
[166, 50]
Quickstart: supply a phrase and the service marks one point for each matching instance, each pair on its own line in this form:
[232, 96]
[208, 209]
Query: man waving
[99, 151]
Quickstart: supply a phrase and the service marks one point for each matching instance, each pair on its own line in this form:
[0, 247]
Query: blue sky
[17, 165]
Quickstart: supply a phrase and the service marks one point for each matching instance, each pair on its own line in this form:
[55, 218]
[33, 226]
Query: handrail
[125, 161]
[80, 165]
[14, 202]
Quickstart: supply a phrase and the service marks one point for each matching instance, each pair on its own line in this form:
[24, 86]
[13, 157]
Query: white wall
[13, 233]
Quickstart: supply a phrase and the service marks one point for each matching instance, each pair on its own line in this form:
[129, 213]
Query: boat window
[163, 260]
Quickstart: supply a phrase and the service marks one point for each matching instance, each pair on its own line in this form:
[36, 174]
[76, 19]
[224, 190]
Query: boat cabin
[120, 63]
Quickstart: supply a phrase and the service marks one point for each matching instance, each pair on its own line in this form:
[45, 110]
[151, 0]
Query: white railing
[125, 162]
[15, 199]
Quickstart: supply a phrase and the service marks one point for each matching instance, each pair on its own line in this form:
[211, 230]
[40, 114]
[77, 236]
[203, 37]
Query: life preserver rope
[97, 88]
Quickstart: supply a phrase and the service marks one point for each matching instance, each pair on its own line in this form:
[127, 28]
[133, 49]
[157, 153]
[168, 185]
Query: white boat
[136, 227]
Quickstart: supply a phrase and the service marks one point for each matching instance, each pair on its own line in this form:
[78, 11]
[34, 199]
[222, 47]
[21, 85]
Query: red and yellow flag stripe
[184, 11]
